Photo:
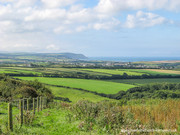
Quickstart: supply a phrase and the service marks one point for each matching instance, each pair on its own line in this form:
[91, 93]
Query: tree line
[81, 75]
[157, 90]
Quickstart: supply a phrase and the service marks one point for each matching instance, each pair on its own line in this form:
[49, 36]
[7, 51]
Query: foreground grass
[48, 122]
[91, 85]
[52, 121]
[99, 118]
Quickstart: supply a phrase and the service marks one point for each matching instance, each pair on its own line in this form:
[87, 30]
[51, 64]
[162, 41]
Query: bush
[14, 89]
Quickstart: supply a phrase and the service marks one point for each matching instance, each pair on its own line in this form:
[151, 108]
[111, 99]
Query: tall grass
[166, 113]
[111, 117]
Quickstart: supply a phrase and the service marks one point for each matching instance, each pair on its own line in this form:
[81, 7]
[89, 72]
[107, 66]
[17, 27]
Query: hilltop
[39, 57]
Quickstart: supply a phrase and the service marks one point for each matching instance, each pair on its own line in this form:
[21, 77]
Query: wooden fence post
[21, 108]
[28, 104]
[40, 103]
[34, 107]
[45, 102]
[10, 120]
[23, 104]
[37, 104]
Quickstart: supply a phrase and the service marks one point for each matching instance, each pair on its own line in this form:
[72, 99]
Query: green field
[4, 71]
[113, 71]
[131, 72]
[76, 95]
[84, 71]
[146, 71]
[146, 81]
[15, 70]
[91, 85]
[72, 70]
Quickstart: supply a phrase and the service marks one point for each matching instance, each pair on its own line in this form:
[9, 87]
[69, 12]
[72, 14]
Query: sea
[133, 59]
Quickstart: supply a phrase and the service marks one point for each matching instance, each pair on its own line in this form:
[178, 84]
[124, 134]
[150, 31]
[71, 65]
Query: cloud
[52, 47]
[22, 45]
[54, 16]
[46, 14]
[32, 22]
[142, 19]
[17, 47]
[107, 25]
[57, 3]
[116, 6]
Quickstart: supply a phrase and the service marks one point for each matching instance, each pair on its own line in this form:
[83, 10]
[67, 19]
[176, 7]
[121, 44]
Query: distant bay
[133, 59]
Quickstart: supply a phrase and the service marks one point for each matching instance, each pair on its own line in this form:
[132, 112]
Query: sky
[109, 28]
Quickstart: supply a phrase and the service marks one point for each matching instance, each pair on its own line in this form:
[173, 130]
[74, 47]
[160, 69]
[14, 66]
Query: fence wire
[18, 112]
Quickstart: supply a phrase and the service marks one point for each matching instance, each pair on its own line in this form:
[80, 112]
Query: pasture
[85, 71]
[76, 95]
[15, 70]
[72, 70]
[113, 71]
[146, 81]
[153, 71]
[91, 85]
[164, 71]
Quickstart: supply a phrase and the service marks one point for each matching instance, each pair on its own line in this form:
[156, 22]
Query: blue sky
[92, 27]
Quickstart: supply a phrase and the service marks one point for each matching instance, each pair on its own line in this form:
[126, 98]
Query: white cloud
[81, 28]
[24, 3]
[107, 25]
[16, 47]
[6, 26]
[46, 14]
[22, 45]
[63, 29]
[116, 6]
[5, 10]
[28, 22]
[54, 16]
[57, 3]
[52, 47]
[81, 16]
[141, 19]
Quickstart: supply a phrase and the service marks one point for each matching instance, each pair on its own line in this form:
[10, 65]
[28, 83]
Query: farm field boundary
[98, 86]
[22, 111]
[79, 89]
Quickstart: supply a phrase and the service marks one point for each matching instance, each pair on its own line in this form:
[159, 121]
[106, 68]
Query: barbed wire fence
[23, 110]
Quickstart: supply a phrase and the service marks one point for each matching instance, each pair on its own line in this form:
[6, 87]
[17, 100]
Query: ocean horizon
[133, 59]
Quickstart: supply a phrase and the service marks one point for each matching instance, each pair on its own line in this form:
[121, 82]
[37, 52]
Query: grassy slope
[145, 81]
[70, 70]
[147, 71]
[164, 71]
[91, 85]
[6, 71]
[18, 70]
[59, 121]
[113, 71]
[76, 95]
